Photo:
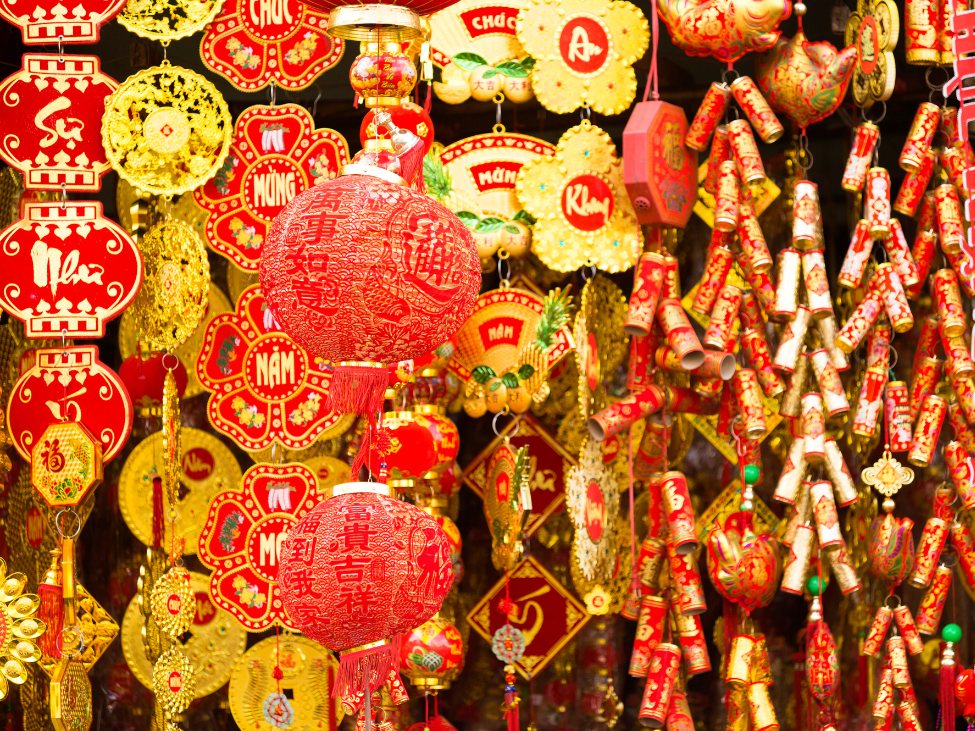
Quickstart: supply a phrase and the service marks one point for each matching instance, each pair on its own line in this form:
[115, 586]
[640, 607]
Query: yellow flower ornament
[584, 214]
[584, 51]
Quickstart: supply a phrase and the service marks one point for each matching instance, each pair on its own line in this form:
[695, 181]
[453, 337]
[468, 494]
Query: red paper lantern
[446, 439]
[359, 568]
[144, 378]
[432, 655]
[407, 116]
[411, 452]
[362, 271]
[383, 77]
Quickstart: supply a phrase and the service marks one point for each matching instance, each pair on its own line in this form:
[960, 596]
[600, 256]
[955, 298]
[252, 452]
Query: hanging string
[629, 454]
[278, 674]
[653, 77]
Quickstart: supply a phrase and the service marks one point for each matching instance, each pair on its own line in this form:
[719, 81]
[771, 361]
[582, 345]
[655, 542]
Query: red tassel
[428, 103]
[512, 713]
[158, 531]
[411, 166]
[51, 613]
[357, 389]
[947, 693]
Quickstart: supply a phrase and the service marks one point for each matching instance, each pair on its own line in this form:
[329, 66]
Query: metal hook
[60, 50]
[64, 344]
[274, 94]
[64, 196]
[71, 514]
[585, 114]
[504, 277]
[879, 119]
[588, 272]
[494, 425]
[314, 107]
[804, 157]
[165, 47]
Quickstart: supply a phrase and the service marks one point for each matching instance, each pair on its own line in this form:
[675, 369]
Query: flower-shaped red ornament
[243, 537]
[265, 387]
[276, 153]
[255, 44]
[743, 567]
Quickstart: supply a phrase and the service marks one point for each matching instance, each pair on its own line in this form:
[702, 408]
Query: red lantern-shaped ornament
[407, 116]
[362, 270]
[410, 453]
[359, 569]
[383, 77]
[432, 655]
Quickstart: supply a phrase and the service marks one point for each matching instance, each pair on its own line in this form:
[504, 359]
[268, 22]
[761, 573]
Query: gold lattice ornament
[584, 215]
[173, 602]
[584, 52]
[70, 697]
[887, 476]
[167, 20]
[592, 499]
[166, 130]
[173, 681]
[173, 298]
[601, 342]
[608, 595]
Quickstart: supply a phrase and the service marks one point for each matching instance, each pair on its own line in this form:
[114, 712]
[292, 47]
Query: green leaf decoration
[555, 313]
[510, 380]
[436, 176]
[482, 374]
[525, 216]
[490, 73]
[528, 63]
[514, 69]
[511, 229]
[495, 386]
[469, 61]
[526, 371]
[489, 224]
[469, 218]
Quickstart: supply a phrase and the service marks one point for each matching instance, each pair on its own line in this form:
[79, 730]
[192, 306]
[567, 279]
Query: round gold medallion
[207, 467]
[166, 130]
[173, 298]
[173, 681]
[215, 643]
[173, 603]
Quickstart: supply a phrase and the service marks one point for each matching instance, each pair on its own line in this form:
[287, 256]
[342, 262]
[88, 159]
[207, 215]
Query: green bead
[751, 474]
[951, 633]
[813, 585]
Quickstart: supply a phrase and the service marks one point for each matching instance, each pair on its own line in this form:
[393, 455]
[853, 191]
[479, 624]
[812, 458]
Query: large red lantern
[363, 271]
[361, 568]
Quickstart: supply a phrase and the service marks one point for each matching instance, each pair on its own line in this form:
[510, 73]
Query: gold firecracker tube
[817, 285]
[843, 570]
[680, 335]
[807, 219]
[929, 421]
[813, 427]
[961, 467]
[747, 392]
[679, 512]
[790, 344]
[951, 230]
[759, 357]
[723, 318]
[878, 630]
[790, 405]
[876, 202]
[754, 248]
[861, 154]
[716, 269]
[844, 488]
[794, 575]
[926, 555]
[828, 330]
[883, 706]
[661, 678]
[915, 183]
[745, 151]
[708, 115]
[895, 299]
[947, 301]
[720, 151]
[860, 322]
[920, 136]
[648, 278]
[898, 412]
[787, 290]
[738, 671]
[830, 386]
[758, 111]
[925, 379]
[857, 256]
[870, 402]
[960, 366]
[760, 710]
[801, 513]
[933, 602]
[908, 629]
[897, 652]
[824, 512]
[728, 198]
[900, 254]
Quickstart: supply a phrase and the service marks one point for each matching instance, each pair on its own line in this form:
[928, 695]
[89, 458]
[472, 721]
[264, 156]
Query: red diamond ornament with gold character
[242, 537]
[265, 387]
[275, 154]
[284, 43]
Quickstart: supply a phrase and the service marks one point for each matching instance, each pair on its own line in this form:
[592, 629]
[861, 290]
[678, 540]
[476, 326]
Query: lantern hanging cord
[653, 76]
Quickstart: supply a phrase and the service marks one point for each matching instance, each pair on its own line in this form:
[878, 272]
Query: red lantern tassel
[51, 611]
[365, 668]
[512, 713]
[411, 166]
[947, 690]
[357, 388]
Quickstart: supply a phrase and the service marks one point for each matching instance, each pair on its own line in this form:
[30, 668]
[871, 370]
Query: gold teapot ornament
[724, 29]
[507, 501]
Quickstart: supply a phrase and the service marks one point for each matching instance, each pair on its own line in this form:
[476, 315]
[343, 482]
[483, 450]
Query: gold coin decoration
[18, 629]
[166, 130]
[207, 467]
[173, 298]
[128, 338]
[167, 20]
[216, 641]
[309, 670]
[173, 681]
[173, 602]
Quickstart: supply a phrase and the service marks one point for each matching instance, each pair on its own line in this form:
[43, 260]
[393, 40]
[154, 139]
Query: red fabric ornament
[359, 568]
[407, 116]
[363, 271]
[411, 451]
[144, 377]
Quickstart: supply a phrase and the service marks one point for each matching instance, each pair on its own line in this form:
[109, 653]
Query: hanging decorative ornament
[929, 33]
[46, 23]
[505, 366]
[276, 153]
[361, 549]
[166, 130]
[505, 503]
[69, 383]
[615, 35]
[303, 693]
[601, 342]
[173, 298]
[66, 463]
[400, 301]
[241, 523]
[805, 81]
[167, 21]
[543, 615]
[410, 455]
[584, 214]
[478, 52]
[173, 682]
[207, 468]
[47, 105]
[607, 596]
[275, 394]
[172, 602]
[70, 697]
[592, 499]
[282, 44]
[432, 655]
[144, 379]
[724, 29]
[406, 115]
[744, 567]
[21, 629]
[475, 178]
[214, 642]
[873, 29]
